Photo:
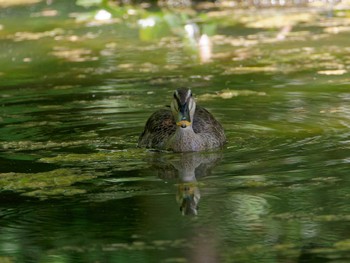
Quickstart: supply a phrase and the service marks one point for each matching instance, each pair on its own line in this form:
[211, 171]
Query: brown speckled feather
[159, 127]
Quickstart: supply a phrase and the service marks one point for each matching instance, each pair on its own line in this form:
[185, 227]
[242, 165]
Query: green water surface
[76, 91]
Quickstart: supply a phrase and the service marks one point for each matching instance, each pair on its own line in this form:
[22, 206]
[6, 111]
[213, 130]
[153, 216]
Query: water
[76, 93]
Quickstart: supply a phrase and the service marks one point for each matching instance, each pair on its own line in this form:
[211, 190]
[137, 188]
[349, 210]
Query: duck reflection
[188, 196]
[187, 168]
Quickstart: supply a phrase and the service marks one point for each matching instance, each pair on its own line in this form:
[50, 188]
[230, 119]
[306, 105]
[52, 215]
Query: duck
[182, 127]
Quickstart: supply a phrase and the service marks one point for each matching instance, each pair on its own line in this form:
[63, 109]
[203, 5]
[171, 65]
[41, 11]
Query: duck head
[183, 107]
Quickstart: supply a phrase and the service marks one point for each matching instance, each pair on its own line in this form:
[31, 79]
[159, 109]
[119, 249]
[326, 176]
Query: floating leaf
[332, 72]
[7, 3]
[228, 94]
[21, 36]
[74, 55]
[89, 3]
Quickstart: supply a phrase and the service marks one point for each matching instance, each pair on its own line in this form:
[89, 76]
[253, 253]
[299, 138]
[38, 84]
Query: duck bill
[183, 123]
[184, 119]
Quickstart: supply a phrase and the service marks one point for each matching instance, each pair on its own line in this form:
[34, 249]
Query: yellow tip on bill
[183, 123]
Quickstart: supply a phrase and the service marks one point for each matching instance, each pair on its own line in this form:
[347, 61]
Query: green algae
[55, 192]
[343, 244]
[147, 245]
[54, 183]
[33, 145]
[312, 217]
[124, 160]
[96, 157]
[4, 259]
[327, 252]
[281, 249]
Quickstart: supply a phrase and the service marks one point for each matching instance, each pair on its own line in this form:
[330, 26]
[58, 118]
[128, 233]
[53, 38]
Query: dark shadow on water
[187, 169]
[308, 256]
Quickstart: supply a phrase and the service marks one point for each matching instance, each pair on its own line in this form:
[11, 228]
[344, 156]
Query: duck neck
[185, 140]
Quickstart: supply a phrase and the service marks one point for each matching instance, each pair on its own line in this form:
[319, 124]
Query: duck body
[184, 127]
